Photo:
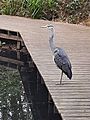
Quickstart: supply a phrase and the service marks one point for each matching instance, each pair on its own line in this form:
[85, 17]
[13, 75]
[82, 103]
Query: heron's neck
[52, 39]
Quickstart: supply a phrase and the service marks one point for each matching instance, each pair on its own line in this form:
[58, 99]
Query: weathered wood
[73, 96]
[8, 60]
[18, 45]
[10, 37]
[18, 55]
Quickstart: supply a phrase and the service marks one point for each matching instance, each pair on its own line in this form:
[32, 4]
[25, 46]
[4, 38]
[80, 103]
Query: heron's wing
[62, 61]
[64, 57]
[58, 60]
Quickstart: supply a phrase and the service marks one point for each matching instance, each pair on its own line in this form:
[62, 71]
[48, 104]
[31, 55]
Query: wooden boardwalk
[72, 99]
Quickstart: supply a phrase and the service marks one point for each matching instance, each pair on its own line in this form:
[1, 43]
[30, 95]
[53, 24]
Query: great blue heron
[60, 57]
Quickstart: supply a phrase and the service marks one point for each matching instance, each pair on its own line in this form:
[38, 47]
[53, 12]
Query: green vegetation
[27, 8]
[13, 103]
[72, 11]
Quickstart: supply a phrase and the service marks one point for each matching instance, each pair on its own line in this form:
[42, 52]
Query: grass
[72, 11]
[27, 8]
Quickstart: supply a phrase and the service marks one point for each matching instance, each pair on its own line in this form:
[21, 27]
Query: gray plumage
[60, 57]
[62, 61]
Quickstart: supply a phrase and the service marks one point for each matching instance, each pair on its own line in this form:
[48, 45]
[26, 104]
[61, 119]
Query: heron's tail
[69, 74]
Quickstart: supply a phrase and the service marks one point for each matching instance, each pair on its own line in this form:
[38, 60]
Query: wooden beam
[17, 62]
[18, 45]
[10, 37]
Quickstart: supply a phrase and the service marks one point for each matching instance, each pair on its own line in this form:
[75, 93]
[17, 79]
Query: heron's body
[62, 61]
[60, 57]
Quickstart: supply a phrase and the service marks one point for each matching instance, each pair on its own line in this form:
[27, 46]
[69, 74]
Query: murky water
[13, 101]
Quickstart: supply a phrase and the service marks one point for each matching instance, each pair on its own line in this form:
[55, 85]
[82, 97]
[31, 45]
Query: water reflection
[13, 101]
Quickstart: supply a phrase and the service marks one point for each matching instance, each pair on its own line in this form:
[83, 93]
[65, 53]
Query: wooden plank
[72, 99]
[77, 118]
[17, 62]
[10, 37]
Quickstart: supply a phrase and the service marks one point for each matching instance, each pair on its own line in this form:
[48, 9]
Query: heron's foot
[59, 84]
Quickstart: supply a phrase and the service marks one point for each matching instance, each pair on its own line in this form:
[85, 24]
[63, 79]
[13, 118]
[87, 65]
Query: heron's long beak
[44, 26]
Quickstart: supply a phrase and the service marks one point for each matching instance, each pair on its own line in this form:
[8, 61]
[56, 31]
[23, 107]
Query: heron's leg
[61, 78]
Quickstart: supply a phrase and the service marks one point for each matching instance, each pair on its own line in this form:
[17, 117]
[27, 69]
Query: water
[13, 101]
